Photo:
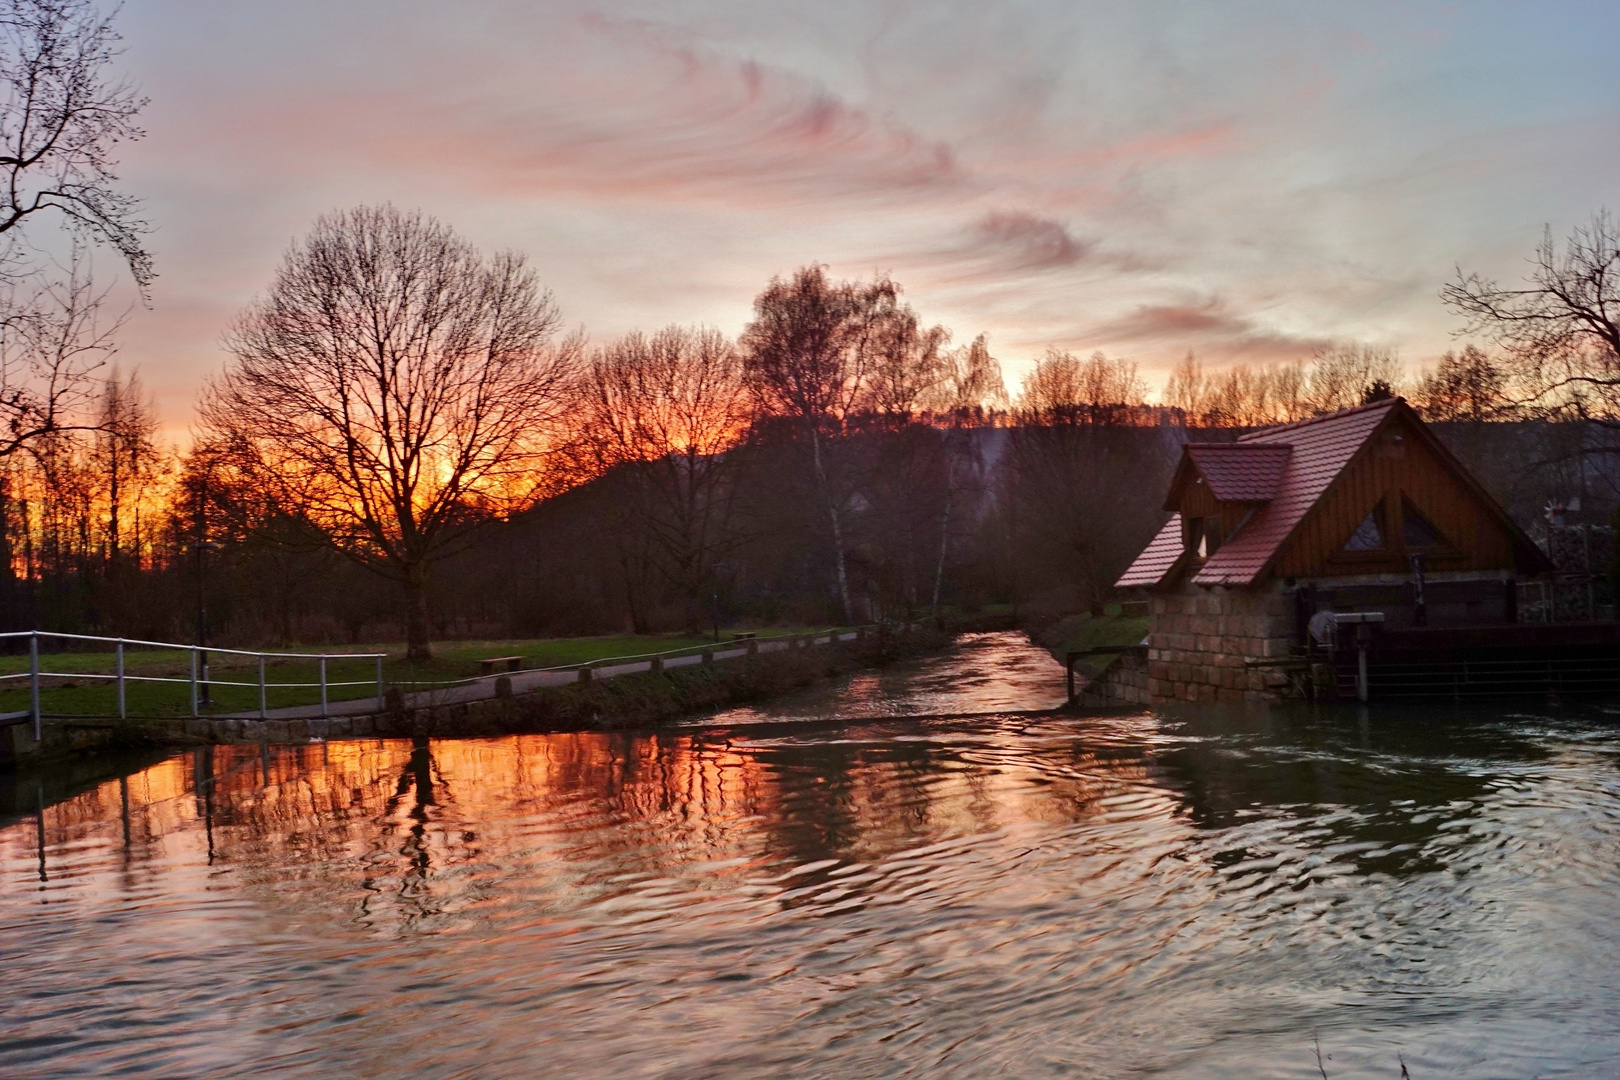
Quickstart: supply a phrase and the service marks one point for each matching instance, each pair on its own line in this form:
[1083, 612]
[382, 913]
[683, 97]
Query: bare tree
[125, 453]
[1468, 385]
[969, 393]
[61, 118]
[663, 416]
[1563, 326]
[906, 361]
[62, 113]
[970, 388]
[1063, 389]
[1240, 396]
[806, 360]
[1342, 376]
[399, 389]
[48, 354]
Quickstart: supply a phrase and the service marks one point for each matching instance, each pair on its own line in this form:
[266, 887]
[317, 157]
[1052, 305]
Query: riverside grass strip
[90, 692]
[636, 701]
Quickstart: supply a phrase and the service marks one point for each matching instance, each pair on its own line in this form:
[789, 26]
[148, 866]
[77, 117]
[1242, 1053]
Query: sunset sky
[1244, 180]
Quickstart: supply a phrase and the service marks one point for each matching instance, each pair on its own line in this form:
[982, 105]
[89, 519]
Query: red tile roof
[1313, 453]
[1322, 447]
[1240, 472]
[1157, 559]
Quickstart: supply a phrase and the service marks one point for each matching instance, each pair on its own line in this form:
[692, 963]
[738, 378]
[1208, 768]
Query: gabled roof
[1157, 559]
[1237, 472]
[1322, 447]
[1313, 453]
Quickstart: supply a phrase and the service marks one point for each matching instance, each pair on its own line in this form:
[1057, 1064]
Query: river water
[918, 873]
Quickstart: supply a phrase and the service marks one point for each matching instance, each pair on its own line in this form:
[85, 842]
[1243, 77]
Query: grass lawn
[80, 693]
[1081, 632]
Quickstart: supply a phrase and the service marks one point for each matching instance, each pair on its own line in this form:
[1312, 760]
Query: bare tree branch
[399, 388]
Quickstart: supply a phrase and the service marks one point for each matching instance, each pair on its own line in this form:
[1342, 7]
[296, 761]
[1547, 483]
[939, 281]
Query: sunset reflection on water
[1024, 894]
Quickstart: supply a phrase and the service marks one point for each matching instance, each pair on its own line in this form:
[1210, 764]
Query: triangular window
[1416, 531]
[1368, 536]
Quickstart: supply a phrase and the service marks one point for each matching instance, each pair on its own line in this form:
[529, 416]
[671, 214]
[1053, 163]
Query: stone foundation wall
[1200, 639]
[1123, 682]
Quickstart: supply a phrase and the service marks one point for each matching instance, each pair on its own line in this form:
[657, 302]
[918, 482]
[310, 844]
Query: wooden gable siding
[1197, 500]
[1395, 462]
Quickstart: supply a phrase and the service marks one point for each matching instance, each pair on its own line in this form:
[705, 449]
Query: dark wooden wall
[1397, 461]
[1196, 500]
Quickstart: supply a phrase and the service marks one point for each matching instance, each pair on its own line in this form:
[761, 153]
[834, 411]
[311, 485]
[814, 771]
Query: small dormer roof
[1235, 472]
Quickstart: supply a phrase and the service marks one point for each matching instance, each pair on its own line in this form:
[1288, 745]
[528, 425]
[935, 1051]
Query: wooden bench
[749, 635]
[499, 663]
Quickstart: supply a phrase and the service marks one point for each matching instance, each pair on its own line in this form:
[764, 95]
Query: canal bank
[604, 700]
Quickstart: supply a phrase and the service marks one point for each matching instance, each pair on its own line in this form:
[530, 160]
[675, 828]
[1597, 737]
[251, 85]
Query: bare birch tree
[806, 360]
[49, 352]
[399, 389]
[906, 361]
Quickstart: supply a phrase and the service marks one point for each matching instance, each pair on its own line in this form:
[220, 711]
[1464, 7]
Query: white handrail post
[262, 709]
[33, 684]
[122, 714]
[323, 684]
[379, 681]
[192, 651]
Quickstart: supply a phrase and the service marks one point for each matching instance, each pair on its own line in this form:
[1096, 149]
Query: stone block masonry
[1200, 640]
[1121, 684]
[1199, 643]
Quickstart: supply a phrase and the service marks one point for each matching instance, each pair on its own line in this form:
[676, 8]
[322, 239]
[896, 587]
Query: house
[1362, 513]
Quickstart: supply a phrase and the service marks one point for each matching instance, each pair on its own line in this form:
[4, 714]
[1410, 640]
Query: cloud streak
[1246, 183]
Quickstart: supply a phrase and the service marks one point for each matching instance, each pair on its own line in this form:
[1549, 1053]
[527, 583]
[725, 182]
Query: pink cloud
[1207, 328]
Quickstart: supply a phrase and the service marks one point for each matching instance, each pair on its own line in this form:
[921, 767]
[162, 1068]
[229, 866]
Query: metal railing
[1484, 677]
[197, 678]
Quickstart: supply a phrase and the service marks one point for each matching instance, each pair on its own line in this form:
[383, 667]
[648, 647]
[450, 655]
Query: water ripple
[1180, 894]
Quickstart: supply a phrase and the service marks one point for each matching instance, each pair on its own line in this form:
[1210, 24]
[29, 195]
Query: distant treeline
[478, 476]
[402, 443]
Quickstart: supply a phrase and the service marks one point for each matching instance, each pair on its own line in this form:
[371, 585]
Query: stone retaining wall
[1199, 640]
[1122, 683]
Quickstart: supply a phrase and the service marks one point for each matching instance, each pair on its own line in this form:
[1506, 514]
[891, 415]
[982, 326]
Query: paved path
[525, 681]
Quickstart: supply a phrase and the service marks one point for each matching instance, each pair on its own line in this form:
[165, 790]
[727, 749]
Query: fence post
[33, 684]
[193, 654]
[121, 709]
[379, 681]
[323, 684]
[262, 702]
